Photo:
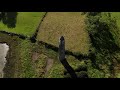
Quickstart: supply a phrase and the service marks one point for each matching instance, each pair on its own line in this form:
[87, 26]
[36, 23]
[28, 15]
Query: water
[3, 52]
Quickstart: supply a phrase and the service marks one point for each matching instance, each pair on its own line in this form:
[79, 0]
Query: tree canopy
[9, 19]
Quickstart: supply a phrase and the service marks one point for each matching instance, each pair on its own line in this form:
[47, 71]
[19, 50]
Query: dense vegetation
[102, 29]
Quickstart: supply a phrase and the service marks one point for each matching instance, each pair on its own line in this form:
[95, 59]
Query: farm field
[68, 24]
[27, 23]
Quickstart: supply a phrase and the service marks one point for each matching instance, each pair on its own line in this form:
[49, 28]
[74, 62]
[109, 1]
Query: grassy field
[27, 23]
[68, 24]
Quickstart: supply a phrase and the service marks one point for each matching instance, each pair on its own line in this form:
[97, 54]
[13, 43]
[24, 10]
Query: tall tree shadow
[9, 19]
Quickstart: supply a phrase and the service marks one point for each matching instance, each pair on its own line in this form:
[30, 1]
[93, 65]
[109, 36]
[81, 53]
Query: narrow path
[49, 64]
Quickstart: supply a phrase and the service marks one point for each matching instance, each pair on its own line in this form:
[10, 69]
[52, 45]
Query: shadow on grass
[69, 68]
[67, 52]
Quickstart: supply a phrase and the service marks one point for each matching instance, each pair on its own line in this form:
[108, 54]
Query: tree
[9, 19]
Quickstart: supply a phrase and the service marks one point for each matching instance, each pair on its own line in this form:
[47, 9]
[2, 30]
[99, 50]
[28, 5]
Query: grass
[19, 61]
[39, 66]
[24, 55]
[68, 24]
[27, 23]
[117, 16]
[57, 70]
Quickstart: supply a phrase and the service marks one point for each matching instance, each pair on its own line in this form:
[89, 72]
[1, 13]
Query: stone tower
[62, 48]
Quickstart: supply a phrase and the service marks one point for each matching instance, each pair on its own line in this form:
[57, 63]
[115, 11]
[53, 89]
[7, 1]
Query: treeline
[101, 27]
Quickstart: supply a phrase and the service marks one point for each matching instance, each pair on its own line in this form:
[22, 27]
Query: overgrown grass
[24, 55]
[57, 70]
[19, 61]
[27, 23]
[39, 66]
[68, 24]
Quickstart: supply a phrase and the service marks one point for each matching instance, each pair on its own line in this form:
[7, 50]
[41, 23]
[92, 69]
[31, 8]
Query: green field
[27, 23]
[68, 24]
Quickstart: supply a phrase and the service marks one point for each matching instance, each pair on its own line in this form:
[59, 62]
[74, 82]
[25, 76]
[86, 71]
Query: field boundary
[33, 38]
[67, 52]
[49, 46]
[14, 34]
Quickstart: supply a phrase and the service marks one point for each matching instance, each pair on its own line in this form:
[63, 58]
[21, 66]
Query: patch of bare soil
[49, 64]
[35, 56]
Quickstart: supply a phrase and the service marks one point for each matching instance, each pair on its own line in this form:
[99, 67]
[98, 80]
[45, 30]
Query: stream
[3, 52]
